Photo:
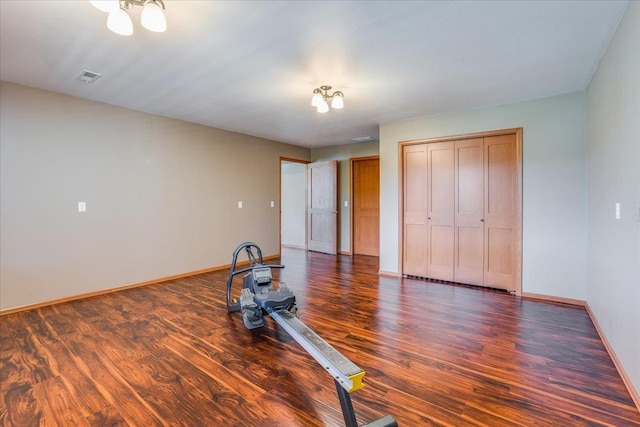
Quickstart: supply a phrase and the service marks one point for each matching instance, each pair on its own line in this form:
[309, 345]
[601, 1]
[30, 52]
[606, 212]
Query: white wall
[613, 155]
[342, 153]
[161, 195]
[554, 185]
[293, 199]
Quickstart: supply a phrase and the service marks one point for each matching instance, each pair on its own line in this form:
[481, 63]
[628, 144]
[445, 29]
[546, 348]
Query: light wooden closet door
[440, 210]
[468, 208]
[501, 247]
[469, 212]
[415, 210]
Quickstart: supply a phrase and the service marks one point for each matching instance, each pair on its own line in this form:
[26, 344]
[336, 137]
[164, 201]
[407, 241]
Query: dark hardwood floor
[434, 354]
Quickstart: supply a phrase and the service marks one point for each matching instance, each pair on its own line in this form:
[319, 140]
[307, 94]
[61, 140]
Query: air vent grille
[363, 139]
[88, 76]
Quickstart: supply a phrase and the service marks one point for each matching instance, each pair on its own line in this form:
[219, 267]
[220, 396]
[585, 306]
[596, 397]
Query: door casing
[518, 239]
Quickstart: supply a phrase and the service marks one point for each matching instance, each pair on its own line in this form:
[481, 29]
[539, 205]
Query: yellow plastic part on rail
[356, 380]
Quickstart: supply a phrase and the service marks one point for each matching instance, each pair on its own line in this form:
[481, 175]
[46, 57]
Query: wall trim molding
[287, 245]
[623, 374]
[388, 273]
[27, 307]
[550, 298]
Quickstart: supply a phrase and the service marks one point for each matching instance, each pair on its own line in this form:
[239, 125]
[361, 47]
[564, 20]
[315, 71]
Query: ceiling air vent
[88, 76]
[363, 139]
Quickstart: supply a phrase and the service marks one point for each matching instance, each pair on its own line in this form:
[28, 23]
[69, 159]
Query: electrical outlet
[82, 206]
[240, 204]
[273, 204]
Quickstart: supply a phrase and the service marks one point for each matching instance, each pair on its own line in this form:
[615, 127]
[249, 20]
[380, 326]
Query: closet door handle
[481, 219]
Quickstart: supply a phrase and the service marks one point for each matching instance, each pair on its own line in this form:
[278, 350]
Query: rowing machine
[259, 297]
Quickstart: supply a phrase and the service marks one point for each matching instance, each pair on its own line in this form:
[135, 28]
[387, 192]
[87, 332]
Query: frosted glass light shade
[120, 23]
[106, 5]
[153, 18]
[323, 107]
[338, 100]
[316, 99]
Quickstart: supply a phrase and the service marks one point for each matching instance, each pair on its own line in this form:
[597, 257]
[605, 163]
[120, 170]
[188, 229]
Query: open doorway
[293, 203]
[309, 205]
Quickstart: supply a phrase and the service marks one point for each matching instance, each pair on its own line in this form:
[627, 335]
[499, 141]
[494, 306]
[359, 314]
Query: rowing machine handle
[253, 261]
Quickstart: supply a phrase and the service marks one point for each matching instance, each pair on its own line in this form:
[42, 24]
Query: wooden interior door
[322, 207]
[469, 212]
[414, 254]
[365, 184]
[440, 210]
[502, 212]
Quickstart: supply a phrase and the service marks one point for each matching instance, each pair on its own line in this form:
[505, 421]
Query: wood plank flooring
[169, 354]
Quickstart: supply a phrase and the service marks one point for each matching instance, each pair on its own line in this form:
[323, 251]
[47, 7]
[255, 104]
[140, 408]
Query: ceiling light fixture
[119, 21]
[321, 96]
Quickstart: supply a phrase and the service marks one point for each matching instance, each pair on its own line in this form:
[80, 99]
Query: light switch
[82, 206]
[617, 210]
[240, 204]
[273, 204]
[346, 203]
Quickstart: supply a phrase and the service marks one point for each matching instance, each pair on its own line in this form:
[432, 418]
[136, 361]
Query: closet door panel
[469, 212]
[499, 243]
[440, 252]
[501, 211]
[440, 209]
[415, 210]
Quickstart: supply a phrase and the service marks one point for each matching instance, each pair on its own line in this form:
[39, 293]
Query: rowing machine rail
[259, 297]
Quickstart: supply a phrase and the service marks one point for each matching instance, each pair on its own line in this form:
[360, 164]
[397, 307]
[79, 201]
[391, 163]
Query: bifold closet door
[415, 210]
[469, 212]
[428, 210]
[502, 213]
[440, 210]
[462, 210]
